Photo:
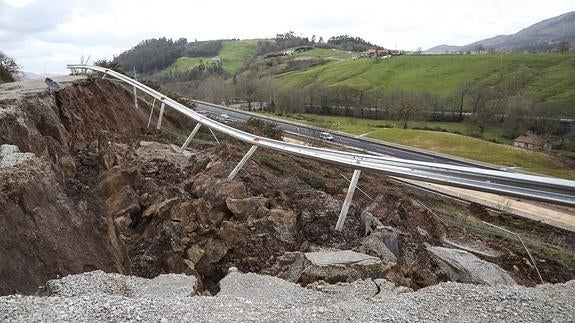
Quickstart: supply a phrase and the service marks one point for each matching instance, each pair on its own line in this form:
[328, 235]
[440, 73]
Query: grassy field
[476, 149]
[234, 56]
[445, 142]
[361, 126]
[550, 77]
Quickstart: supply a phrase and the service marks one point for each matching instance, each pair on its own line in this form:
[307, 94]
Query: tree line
[291, 39]
[153, 55]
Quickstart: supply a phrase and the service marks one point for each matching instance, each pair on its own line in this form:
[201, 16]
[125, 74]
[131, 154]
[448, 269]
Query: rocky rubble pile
[83, 187]
[251, 297]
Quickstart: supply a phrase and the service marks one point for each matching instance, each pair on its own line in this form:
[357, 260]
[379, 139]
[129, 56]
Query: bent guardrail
[541, 188]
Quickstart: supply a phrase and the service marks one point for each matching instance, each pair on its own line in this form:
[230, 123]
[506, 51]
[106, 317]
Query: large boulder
[284, 223]
[462, 266]
[331, 266]
[150, 151]
[341, 266]
[374, 245]
[208, 214]
[380, 240]
[244, 208]
[211, 187]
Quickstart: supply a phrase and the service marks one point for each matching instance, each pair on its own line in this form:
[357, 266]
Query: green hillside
[550, 77]
[234, 54]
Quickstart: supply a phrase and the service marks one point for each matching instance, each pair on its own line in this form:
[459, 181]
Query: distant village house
[384, 53]
[533, 143]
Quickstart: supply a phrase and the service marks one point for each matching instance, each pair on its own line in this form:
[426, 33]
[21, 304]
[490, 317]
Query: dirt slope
[102, 192]
[50, 225]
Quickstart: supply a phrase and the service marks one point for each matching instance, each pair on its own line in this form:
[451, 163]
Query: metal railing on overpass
[533, 187]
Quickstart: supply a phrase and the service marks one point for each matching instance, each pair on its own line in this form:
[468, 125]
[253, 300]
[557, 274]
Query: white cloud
[19, 3]
[68, 29]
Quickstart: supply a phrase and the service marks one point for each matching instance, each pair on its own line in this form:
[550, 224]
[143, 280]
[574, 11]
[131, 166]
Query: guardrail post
[347, 201]
[161, 115]
[191, 136]
[242, 162]
[151, 112]
[135, 98]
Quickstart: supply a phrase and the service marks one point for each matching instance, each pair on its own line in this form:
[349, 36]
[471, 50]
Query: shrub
[264, 128]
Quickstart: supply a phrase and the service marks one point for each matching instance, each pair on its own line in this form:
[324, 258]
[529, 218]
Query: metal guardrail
[541, 188]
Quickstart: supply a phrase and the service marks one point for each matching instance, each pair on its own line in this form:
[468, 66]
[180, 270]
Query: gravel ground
[97, 296]
[16, 90]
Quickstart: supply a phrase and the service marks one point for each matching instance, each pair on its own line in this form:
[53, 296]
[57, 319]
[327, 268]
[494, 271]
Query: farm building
[531, 142]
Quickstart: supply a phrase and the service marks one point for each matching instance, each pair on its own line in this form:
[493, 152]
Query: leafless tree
[246, 87]
[516, 116]
[215, 89]
[289, 100]
[408, 106]
[563, 47]
[460, 93]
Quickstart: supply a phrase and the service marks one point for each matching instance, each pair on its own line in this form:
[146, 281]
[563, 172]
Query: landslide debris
[102, 192]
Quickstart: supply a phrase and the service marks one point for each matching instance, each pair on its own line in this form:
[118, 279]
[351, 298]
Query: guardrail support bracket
[214, 135]
[347, 201]
[242, 162]
[191, 136]
[161, 115]
[151, 112]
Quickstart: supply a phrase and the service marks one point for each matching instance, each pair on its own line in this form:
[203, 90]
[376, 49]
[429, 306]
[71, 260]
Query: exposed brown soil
[122, 199]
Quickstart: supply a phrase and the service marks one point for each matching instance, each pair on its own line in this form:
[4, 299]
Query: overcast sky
[43, 36]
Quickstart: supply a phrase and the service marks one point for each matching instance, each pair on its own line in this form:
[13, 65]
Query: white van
[326, 136]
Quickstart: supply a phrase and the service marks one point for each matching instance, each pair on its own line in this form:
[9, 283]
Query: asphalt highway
[358, 143]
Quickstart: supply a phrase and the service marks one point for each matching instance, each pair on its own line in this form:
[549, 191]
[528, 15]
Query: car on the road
[225, 117]
[326, 136]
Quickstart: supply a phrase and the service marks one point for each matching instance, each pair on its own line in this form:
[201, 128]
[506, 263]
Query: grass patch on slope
[235, 54]
[186, 63]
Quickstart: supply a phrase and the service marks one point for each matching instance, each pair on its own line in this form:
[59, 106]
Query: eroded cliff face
[47, 229]
[50, 223]
[84, 186]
